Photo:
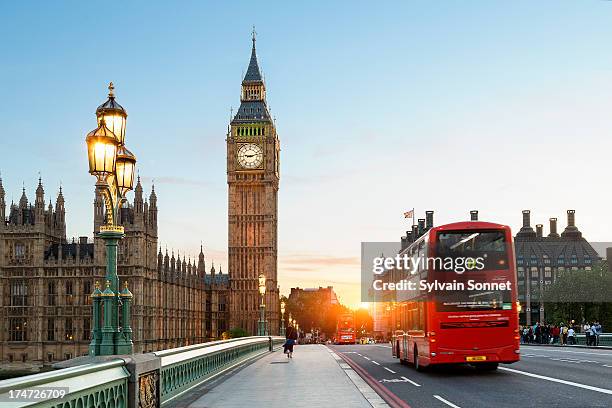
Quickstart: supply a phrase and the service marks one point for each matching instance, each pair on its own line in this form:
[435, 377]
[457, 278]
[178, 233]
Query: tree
[580, 295]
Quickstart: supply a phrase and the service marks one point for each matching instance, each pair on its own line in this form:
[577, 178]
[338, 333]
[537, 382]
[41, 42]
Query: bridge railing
[89, 385]
[150, 380]
[186, 367]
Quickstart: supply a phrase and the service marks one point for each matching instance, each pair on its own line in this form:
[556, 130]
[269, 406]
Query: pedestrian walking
[290, 338]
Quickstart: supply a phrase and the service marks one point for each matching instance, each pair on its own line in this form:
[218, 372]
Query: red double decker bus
[471, 315]
[345, 329]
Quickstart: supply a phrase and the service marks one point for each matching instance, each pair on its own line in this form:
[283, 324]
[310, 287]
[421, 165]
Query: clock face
[250, 156]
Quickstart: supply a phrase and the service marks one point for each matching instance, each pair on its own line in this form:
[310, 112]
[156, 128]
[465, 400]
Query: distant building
[539, 259]
[46, 282]
[326, 295]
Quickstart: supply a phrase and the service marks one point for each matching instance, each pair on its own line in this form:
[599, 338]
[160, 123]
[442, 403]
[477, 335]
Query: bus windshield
[489, 245]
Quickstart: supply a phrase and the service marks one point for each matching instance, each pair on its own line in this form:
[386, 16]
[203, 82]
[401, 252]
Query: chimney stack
[539, 230]
[421, 226]
[526, 218]
[409, 237]
[474, 215]
[553, 228]
[429, 219]
[415, 232]
[571, 218]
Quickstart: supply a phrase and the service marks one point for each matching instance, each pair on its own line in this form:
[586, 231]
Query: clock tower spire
[253, 178]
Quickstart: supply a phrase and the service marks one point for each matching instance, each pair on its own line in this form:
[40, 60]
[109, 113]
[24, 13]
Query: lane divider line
[450, 404]
[390, 398]
[389, 370]
[376, 362]
[410, 381]
[558, 380]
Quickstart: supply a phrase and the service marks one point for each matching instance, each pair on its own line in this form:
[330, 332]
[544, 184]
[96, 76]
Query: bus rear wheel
[486, 366]
[417, 365]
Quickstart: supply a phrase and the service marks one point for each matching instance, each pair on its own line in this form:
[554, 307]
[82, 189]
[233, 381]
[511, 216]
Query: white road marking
[411, 382]
[389, 370]
[605, 365]
[375, 362]
[450, 404]
[571, 351]
[557, 380]
[378, 345]
[367, 358]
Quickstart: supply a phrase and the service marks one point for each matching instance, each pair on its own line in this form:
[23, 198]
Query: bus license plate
[476, 358]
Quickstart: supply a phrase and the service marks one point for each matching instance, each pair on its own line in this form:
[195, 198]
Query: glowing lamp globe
[101, 150]
[126, 165]
[114, 115]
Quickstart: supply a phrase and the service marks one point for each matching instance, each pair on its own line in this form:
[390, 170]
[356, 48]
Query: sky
[434, 105]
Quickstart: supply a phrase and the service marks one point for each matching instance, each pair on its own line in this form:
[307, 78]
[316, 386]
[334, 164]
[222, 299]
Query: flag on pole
[409, 214]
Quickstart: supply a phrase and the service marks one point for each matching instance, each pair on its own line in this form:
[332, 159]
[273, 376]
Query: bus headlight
[517, 351]
[433, 353]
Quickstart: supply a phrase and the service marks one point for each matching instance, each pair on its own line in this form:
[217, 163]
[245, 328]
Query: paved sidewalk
[313, 378]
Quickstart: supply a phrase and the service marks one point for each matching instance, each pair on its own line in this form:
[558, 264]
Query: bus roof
[462, 225]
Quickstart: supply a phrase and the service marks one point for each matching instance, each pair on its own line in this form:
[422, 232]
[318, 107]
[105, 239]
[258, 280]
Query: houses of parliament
[46, 279]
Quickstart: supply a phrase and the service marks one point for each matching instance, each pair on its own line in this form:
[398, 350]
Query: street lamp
[113, 165]
[262, 306]
[282, 308]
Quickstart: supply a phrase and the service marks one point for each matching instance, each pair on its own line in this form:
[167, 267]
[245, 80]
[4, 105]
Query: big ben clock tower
[252, 177]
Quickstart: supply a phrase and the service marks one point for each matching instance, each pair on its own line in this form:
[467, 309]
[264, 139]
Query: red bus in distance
[477, 325]
[345, 329]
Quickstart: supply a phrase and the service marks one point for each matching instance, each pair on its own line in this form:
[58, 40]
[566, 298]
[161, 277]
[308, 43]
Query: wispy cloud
[297, 260]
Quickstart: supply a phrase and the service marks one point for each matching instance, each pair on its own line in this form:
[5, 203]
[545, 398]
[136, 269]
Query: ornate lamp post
[113, 166]
[262, 306]
[282, 308]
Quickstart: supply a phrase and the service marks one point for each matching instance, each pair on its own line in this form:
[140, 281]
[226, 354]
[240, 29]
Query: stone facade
[46, 280]
[253, 177]
[539, 260]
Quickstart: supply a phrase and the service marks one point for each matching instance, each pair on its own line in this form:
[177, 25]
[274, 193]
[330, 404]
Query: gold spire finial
[254, 33]
[97, 285]
[111, 90]
[108, 283]
[125, 284]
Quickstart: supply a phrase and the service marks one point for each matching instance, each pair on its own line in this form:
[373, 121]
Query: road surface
[545, 377]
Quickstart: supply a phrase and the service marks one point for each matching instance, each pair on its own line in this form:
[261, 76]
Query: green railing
[101, 385]
[186, 367]
[605, 339]
[152, 379]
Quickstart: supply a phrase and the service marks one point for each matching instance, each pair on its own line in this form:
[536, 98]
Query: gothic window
[19, 293]
[86, 328]
[87, 292]
[51, 293]
[69, 293]
[19, 250]
[574, 260]
[18, 329]
[50, 330]
[68, 329]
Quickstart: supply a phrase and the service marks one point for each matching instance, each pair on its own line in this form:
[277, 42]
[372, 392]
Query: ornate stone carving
[148, 390]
